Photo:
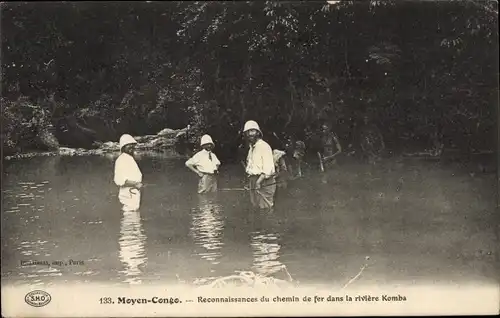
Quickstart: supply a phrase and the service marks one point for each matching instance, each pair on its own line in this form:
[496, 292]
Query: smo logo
[37, 298]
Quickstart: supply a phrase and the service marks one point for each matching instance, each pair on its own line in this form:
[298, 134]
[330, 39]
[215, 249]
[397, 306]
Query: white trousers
[130, 198]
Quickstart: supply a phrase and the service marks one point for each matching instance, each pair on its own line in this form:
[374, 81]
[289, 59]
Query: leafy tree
[421, 70]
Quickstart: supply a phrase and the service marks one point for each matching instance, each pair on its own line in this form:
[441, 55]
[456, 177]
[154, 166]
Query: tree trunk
[47, 138]
[293, 93]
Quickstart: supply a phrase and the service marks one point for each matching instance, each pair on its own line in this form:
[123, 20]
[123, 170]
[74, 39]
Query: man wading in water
[259, 167]
[205, 164]
[281, 168]
[128, 176]
[372, 142]
[330, 145]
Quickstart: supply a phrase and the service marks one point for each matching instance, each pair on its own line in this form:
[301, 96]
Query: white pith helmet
[126, 139]
[206, 139]
[251, 125]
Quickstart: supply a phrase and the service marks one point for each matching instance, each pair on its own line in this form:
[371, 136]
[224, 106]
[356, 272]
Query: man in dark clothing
[371, 140]
[330, 146]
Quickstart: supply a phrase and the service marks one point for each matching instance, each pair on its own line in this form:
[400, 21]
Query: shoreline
[80, 152]
[164, 140]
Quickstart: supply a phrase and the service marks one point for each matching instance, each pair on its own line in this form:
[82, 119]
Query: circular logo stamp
[37, 298]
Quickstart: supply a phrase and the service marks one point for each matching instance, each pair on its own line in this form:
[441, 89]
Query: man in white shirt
[128, 176]
[259, 167]
[206, 165]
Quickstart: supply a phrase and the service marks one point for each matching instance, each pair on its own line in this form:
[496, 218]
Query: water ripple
[132, 252]
[206, 229]
[266, 253]
[26, 198]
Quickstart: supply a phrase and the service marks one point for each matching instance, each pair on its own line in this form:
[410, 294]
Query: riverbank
[164, 140]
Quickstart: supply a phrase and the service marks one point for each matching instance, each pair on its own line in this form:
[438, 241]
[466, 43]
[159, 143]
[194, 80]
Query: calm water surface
[417, 223]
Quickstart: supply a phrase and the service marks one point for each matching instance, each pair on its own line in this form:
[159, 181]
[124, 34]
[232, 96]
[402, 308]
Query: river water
[417, 222]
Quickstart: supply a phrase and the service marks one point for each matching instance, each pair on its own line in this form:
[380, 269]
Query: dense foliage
[421, 70]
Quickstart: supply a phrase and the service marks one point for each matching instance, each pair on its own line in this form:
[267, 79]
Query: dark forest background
[426, 72]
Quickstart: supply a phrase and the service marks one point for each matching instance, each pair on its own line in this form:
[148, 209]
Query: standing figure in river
[259, 167]
[281, 168]
[292, 159]
[372, 142]
[127, 175]
[206, 165]
[299, 153]
[330, 146]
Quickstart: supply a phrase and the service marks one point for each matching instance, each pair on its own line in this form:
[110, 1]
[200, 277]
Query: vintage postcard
[259, 158]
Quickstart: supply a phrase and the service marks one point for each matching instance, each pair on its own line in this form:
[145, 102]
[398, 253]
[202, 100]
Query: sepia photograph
[253, 158]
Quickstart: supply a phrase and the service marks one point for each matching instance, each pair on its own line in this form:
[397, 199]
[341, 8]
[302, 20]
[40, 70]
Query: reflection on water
[66, 208]
[132, 252]
[38, 275]
[35, 264]
[33, 248]
[265, 247]
[206, 228]
[27, 196]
